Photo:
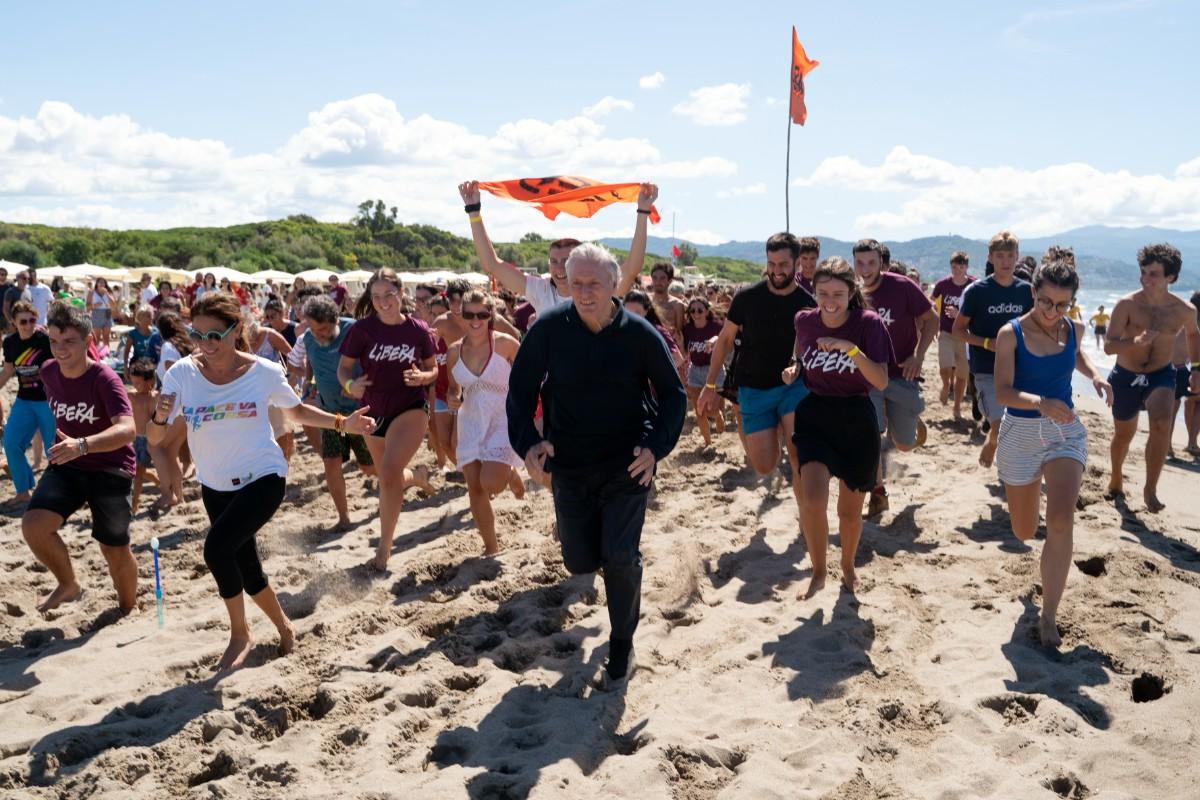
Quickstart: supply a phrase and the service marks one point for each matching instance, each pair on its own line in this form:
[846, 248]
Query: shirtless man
[672, 310]
[1142, 335]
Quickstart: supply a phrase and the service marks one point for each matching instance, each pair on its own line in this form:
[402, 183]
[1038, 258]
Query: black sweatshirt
[597, 403]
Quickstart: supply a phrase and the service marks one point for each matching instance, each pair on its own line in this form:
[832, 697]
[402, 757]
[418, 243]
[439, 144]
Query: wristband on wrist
[474, 218]
[643, 211]
[346, 386]
[472, 207]
[986, 341]
[853, 351]
[710, 386]
[338, 420]
[83, 447]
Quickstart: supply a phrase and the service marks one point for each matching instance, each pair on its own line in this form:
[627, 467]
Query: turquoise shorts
[763, 409]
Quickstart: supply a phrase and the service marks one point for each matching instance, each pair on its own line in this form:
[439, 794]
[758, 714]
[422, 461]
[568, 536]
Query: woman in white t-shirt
[100, 306]
[219, 396]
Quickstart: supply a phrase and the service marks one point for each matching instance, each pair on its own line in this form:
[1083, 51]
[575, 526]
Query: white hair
[597, 254]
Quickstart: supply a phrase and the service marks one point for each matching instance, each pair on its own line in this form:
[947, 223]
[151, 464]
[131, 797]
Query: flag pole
[787, 184]
[673, 258]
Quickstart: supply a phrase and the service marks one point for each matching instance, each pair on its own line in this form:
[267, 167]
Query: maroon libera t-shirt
[696, 340]
[951, 294]
[899, 301]
[87, 405]
[385, 352]
[831, 373]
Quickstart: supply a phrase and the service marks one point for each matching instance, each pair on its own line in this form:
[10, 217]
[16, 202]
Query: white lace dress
[482, 419]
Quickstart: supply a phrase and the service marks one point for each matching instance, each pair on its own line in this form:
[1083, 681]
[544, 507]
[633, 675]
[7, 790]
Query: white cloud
[1031, 201]
[64, 167]
[653, 81]
[772, 101]
[716, 105]
[1043, 20]
[701, 236]
[606, 105]
[742, 191]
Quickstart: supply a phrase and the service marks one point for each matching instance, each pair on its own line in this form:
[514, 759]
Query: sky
[922, 121]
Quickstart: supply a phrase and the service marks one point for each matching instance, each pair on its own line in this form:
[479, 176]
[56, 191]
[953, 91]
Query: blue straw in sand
[158, 601]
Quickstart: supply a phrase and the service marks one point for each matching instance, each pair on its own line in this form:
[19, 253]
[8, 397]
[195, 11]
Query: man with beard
[672, 310]
[546, 292]
[762, 316]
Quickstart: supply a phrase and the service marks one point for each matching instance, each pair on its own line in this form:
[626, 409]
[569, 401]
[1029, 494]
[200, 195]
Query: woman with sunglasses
[24, 353]
[479, 365]
[1041, 439]
[396, 353]
[700, 332]
[217, 397]
[842, 352]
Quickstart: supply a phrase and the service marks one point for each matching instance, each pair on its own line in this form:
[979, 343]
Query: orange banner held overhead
[579, 197]
[801, 66]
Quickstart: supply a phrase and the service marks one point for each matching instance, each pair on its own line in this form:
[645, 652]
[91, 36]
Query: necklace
[1057, 330]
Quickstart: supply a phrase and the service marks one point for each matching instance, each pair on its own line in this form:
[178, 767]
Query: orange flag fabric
[801, 66]
[579, 197]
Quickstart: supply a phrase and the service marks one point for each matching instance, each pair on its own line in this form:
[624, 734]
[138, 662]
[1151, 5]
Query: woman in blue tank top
[1041, 439]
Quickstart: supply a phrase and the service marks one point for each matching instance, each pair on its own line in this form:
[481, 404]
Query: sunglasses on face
[384, 298]
[1047, 303]
[26, 321]
[209, 336]
[480, 315]
[697, 310]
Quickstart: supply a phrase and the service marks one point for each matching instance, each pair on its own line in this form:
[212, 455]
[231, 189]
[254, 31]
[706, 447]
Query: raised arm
[507, 275]
[632, 267]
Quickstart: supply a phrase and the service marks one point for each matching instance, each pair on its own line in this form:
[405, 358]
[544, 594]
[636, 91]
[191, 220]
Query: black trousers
[600, 516]
[230, 550]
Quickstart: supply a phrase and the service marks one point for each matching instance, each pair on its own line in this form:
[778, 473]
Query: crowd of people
[583, 379]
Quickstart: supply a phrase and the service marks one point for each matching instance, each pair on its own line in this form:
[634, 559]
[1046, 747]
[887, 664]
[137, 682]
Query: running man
[1100, 326]
[1041, 438]
[986, 306]
[762, 316]
[810, 254]
[952, 353]
[1141, 336]
[911, 324]
[546, 292]
[671, 309]
[91, 463]
[593, 362]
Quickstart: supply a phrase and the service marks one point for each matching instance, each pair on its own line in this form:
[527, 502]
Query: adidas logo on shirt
[1006, 308]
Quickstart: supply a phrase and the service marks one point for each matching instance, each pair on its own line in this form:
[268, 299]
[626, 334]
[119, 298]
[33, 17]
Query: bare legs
[704, 423]
[485, 480]
[40, 529]
[239, 630]
[1158, 407]
[391, 454]
[814, 482]
[1063, 477]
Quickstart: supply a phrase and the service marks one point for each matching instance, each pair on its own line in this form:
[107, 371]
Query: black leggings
[230, 550]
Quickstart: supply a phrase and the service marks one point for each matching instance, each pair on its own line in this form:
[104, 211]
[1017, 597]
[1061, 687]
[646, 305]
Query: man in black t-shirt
[762, 317]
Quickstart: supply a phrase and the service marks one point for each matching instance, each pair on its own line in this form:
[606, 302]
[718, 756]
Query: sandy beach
[455, 676]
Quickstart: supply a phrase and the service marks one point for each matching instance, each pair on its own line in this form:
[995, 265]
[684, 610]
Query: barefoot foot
[421, 480]
[1153, 504]
[849, 578]
[235, 654]
[815, 585]
[63, 593]
[287, 639]
[1048, 632]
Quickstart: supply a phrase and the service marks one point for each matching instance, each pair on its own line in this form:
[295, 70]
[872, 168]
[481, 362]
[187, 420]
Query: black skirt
[841, 433]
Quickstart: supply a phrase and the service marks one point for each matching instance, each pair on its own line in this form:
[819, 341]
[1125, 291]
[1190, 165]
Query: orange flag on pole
[579, 197]
[801, 66]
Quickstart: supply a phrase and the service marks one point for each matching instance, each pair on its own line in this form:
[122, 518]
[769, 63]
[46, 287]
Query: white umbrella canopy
[356, 276]
[159, 273]
[475, 278]
[316, 275]
[77, 271]
[13, 266]
[45, 272]
[277, 275]
[221, 273]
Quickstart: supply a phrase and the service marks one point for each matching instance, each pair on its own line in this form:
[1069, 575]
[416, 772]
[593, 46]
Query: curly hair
[1166, 254]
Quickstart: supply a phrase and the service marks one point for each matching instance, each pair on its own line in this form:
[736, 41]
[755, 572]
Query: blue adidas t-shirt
[989, 305]
[324, 362]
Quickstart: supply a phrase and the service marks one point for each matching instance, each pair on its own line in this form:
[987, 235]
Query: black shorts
[843, 434]
[1183, 385]
[382, 425]
[340, 445]
[1101, 330]
[64, 490]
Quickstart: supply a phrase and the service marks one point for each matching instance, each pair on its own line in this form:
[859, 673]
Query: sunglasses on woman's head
[477, 315]
[209, 336]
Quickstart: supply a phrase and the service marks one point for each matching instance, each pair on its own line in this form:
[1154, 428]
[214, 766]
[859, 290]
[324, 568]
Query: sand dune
[456, 676]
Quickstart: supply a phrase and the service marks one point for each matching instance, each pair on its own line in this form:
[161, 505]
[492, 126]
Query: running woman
[396, 353]
[479, 365]
[322, 340]
[1041, 438]
[218, 397]
[592, 363]
[911, 325]
[1141, 336]
[762, 317]
[92, 462]
[700, 334]
[986, 306]
[24, 353]
[842, 353]
[100, 304]
[546, 292]
[952, 353]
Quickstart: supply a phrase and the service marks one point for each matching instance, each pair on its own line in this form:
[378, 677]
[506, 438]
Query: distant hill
[1106, 256]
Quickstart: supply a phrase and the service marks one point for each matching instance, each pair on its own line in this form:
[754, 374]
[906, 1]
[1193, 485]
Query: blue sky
[1038, 116]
